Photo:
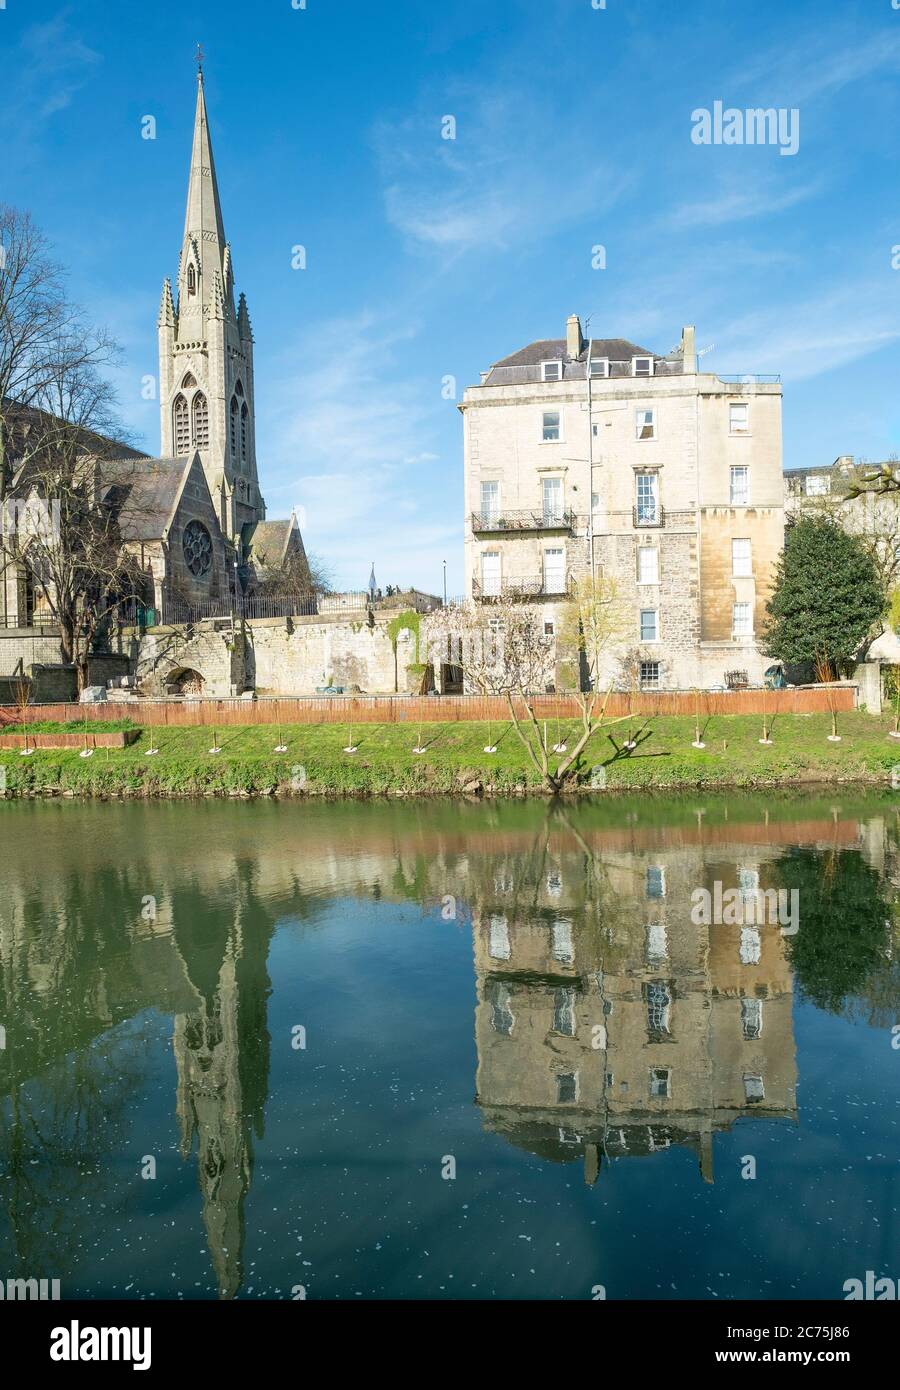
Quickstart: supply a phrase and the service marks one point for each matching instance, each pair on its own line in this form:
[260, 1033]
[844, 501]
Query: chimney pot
[574, 340]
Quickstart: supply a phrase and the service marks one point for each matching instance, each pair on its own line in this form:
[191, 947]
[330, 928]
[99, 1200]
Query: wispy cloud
[345, 444]
[832, 59]
[808, 337]
[740, 202]
[42, 75]
[498, 183]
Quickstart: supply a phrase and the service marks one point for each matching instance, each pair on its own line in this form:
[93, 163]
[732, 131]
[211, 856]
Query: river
[448, 1050]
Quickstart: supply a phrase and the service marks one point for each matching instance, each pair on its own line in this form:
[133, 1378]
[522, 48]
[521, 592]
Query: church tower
[206, 352]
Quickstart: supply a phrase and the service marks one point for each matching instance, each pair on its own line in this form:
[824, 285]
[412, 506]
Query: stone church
[207, 407]
[194, 517]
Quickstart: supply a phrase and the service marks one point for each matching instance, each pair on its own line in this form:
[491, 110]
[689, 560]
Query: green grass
[454, 758]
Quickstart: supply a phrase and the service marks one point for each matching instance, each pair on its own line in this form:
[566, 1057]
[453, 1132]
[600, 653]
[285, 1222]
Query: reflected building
[617, 1026]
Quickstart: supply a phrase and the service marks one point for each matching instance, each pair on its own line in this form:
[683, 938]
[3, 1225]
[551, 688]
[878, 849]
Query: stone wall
[163, 654]
[298, 655]
[279, 656]
[21, 646]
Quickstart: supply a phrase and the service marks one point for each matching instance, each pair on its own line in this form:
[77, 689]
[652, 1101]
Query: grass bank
[454, 760]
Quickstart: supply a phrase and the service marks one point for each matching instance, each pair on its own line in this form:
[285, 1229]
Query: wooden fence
[410, 709]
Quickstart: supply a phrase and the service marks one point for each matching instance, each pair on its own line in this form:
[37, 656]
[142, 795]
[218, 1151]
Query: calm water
[306, 1019]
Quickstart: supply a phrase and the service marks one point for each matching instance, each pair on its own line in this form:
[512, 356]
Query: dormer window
[552, 371]
[599, 366]
[191, 280]
[642, 366]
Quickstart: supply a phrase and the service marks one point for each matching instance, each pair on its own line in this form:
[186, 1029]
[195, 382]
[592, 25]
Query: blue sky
[430, 258]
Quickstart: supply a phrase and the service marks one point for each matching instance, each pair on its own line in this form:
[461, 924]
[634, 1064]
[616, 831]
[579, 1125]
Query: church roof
[268, 540]
[146, 497]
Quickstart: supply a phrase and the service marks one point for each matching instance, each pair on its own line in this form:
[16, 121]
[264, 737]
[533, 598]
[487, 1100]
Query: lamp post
[445, 583]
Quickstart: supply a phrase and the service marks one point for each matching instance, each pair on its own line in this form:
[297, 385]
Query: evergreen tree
[827, 599]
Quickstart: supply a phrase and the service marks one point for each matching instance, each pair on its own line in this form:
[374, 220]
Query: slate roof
[524, 365]
[144, 494]
[268, 541]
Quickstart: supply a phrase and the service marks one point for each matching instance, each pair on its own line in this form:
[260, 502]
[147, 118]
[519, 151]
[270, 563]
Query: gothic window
[191, 280]
[197, 546]
[182, 431]
[239, 390]
[234, 426]
[201, 421]
[189, 382]
[245, 416]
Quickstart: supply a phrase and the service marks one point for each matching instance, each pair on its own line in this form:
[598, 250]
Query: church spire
[204, 233]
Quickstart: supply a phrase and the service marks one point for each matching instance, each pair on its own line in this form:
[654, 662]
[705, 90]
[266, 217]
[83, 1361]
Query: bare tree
[504, 651]
[65, 470]
[33, 311]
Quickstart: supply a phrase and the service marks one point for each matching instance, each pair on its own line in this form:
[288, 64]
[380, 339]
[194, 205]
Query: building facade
[604, 457]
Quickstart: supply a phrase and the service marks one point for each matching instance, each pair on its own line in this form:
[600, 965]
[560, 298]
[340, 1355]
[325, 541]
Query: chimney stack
[689, 349]
[574, 340]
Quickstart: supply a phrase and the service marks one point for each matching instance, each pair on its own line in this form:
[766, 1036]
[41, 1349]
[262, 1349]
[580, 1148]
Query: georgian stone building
[605, 456]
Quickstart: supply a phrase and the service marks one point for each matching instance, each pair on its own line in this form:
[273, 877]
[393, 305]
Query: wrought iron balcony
[523, 590]
[508, 523]
[649, 516]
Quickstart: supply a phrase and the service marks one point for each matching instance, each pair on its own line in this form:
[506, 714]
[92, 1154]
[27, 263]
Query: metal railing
[521, 590]
[177, 613]
[750, 378]
[648, 516]
[525, 520]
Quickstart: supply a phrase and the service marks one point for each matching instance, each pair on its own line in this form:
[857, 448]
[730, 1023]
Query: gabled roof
[267, 541]
[24, 420]
[145, 497]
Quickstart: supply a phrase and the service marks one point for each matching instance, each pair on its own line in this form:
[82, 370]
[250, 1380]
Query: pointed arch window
[200, 412]
[239, 390]
[234, 427]
[190, 381]
[181, 429]
[245, 418]
[191, 280]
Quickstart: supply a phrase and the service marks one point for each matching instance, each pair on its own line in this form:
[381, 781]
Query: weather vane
[199, 58]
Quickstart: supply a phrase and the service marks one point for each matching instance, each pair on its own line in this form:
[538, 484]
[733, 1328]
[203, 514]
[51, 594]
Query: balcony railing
[648, 516]
[522, 590]
[509, 522]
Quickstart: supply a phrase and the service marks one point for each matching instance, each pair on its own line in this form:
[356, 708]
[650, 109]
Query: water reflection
[608, 1024]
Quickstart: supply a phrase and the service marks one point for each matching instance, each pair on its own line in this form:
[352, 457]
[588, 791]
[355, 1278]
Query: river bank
[312, 760]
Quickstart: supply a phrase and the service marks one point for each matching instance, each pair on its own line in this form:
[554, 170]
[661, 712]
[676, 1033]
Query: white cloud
[499, 183]
[738, 202]
[344, 441]
[806, 338]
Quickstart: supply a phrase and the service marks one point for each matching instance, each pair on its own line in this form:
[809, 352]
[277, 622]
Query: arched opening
[191, 280]
[245, 417]
[184, 681]
[239, 390]
[234, 426]
[201, 421]
[189, 382]
[181, 431]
